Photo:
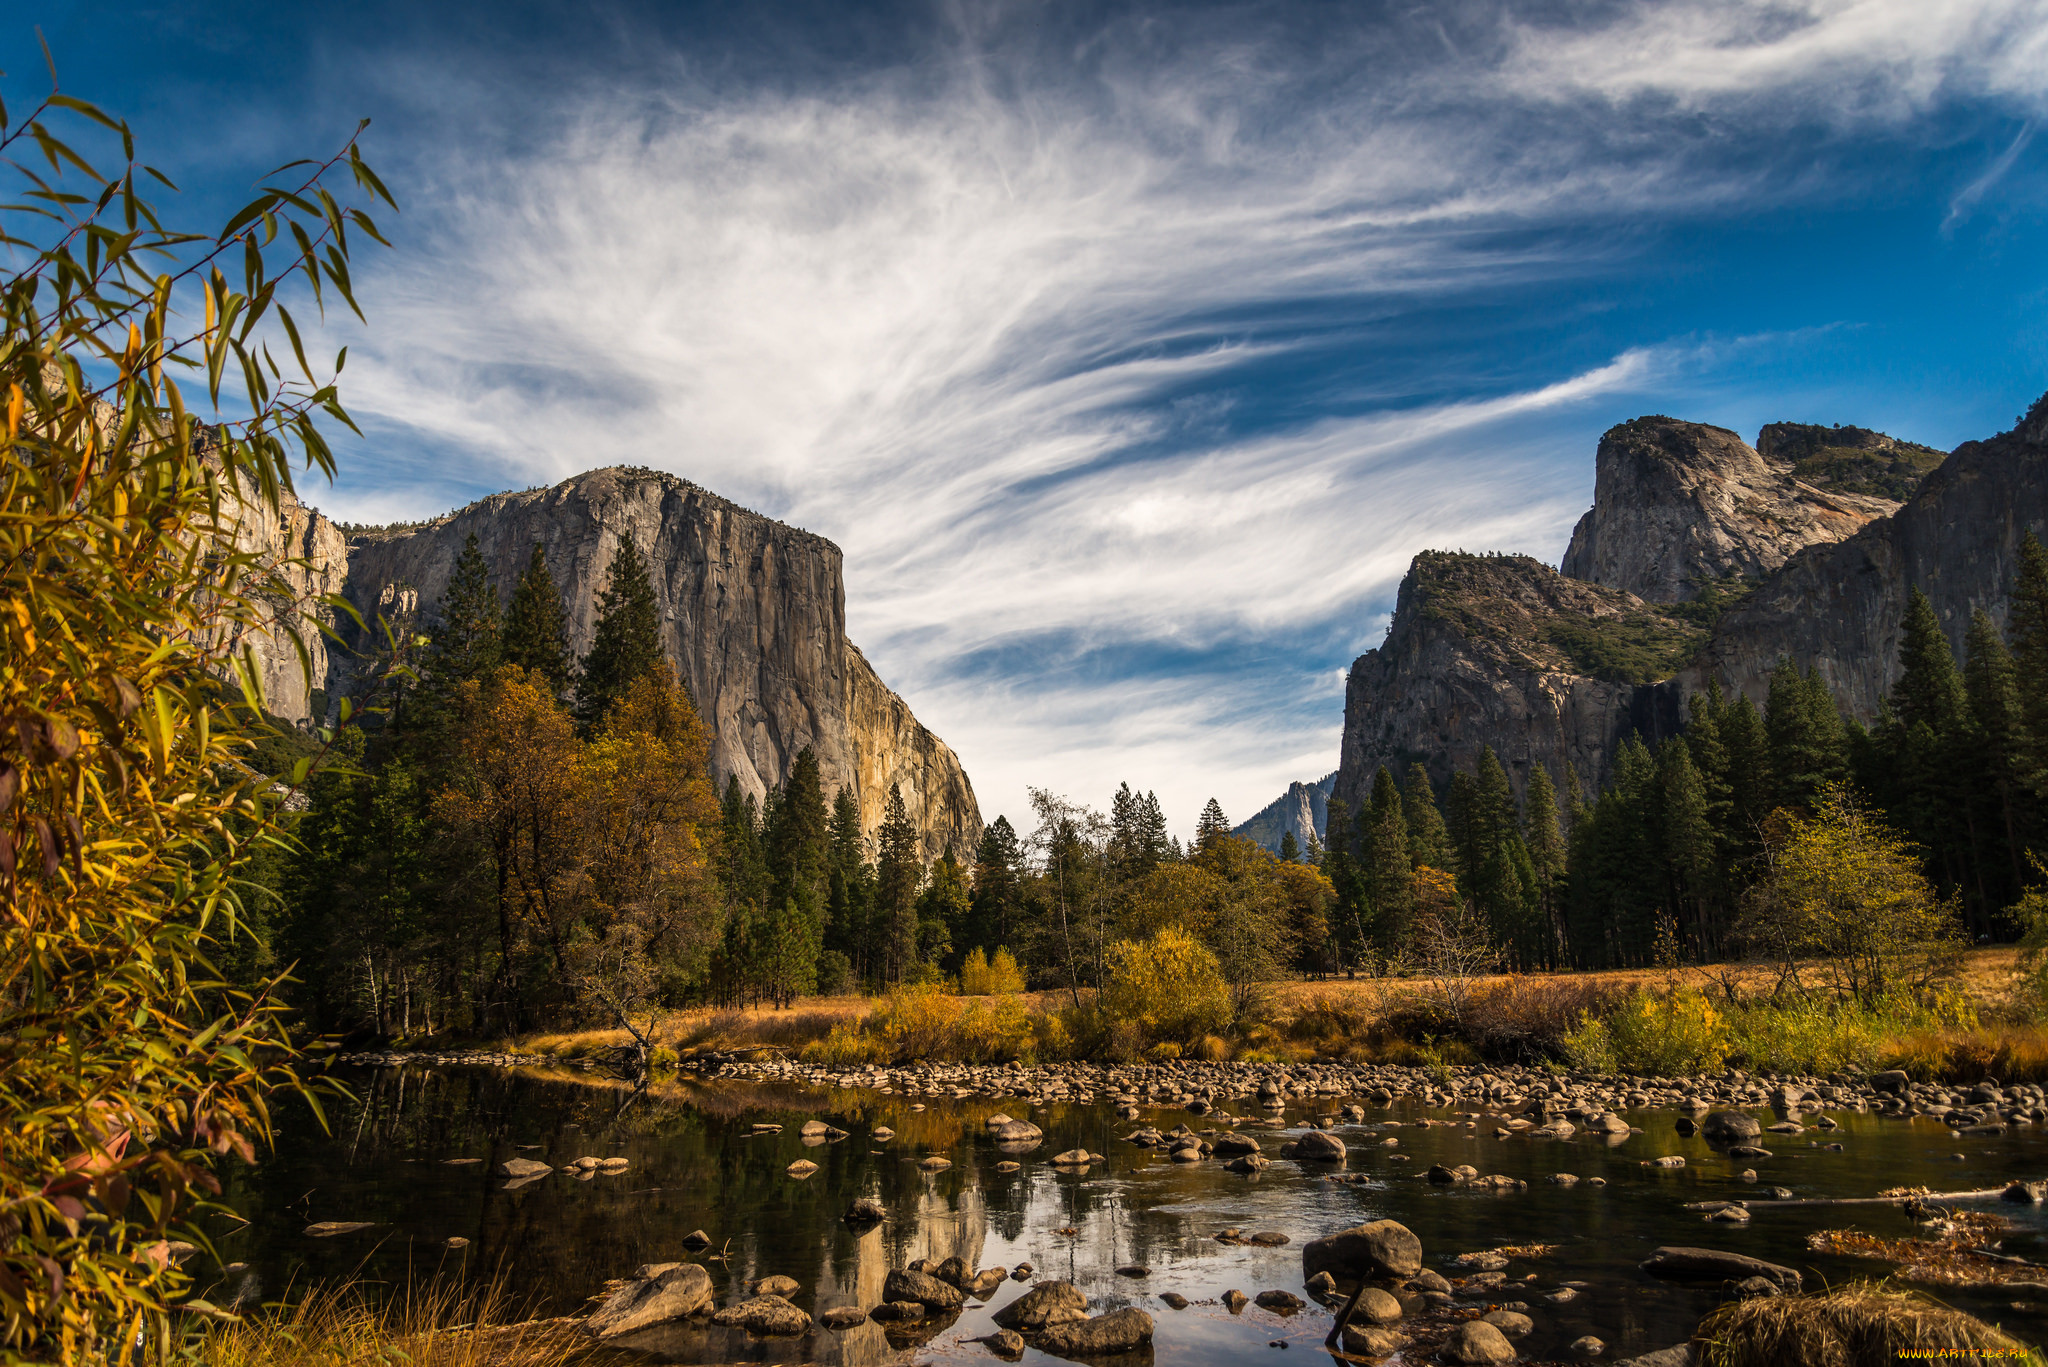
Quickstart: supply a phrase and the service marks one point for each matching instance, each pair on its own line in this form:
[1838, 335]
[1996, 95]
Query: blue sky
[1128, 351]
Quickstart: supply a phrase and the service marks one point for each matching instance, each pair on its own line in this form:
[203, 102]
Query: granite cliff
[1702, 558]
[753, 614]
[1681, 509]
[1303, 811]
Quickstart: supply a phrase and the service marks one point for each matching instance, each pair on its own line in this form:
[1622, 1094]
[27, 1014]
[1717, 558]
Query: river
[694, 1163]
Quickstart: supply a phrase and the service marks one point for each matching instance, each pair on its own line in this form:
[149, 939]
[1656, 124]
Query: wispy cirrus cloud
[1128, 376]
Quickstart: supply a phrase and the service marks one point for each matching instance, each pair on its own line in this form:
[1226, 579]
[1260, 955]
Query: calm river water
[694, 1166]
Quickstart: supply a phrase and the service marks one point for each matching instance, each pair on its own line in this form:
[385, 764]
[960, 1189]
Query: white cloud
[957, 333]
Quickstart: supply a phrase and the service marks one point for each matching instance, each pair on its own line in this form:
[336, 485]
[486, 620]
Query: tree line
[1667, 859]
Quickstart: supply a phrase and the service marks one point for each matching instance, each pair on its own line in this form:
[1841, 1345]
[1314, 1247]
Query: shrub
[662, 1061]
[1169, 987]
[1521, 1021]
[1679, 1032]
[994, 1030]
[983, 976]
[915, 1021]
[847, 1043]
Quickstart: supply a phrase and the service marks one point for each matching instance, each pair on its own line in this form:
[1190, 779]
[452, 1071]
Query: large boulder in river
[1476, 1343]
[1318, 1146]
[1120, 1331]
[676, 1290]
[1019, 1132]
[764, 1315]
[927, 1290]
[1680, 1264]
[523, 1167]
[1730, 1127]
[1044, 1304]
[1383, 1248]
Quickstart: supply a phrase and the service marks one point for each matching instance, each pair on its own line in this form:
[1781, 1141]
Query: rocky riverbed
[1559, 1211]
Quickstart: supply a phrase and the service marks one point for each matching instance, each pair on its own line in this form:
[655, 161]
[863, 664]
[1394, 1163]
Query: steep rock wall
[1838, 608]
[1677, 505]
[753, 614]
[1303, 811]
[1469, 661]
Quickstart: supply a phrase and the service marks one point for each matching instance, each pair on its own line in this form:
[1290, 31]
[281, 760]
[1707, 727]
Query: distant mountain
[1703, 558]
[1303, 809]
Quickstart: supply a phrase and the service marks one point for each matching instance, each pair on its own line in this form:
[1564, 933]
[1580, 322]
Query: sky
[1128, 351]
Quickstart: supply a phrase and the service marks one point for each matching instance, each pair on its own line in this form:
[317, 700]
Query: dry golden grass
[434, 1324]
[1861, 1325]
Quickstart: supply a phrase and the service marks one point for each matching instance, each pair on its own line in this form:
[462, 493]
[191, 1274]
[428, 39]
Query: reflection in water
[694, 1163]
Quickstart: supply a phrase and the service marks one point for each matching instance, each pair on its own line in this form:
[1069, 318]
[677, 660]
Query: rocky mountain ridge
[1702, 558]
[1303, 811]
[753, 614]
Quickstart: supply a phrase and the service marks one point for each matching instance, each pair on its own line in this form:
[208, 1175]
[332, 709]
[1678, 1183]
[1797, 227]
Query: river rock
[1429, 1280]
[1713, 1265]
[2025, 1193]
[1512, 1323]
[784, 1287]
[1586, 1347]
[882, 1133]
[1044, 1304]
[952, 1271]
[1606, 1122]
[1017, 1132]
[1231, 1145]
[866, 1211]
[522, 1167]
[842, 1317]
[1680, 1355]
[982, 1285]
[1373, 1343]
[1235, 1301]
[695, 1240]
[1072, 1158]
[764, 1315]
[897, 1312]
[1377, 1307]
[681, 1289]
[1285, 1301]
[1476, 1343]
[1318, 1146]
[1891, 1081]
[934, 1163]
[802, 1168]
[1381, 1249]
[902, 1284]
[1248, 1163]
[1174, 1300]
[1117, 1332]
[1005, 1343]
[1730, 1127]
[1755, 1288]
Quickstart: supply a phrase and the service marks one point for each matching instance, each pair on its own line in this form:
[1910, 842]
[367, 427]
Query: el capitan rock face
[1302, 811]
[1679, 505]
[753, 612]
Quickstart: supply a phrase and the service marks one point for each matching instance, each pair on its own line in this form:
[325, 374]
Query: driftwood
[1986, 1194]
[1344, 1316]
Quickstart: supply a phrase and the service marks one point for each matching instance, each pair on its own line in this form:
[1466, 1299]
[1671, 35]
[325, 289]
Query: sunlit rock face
[753, 614]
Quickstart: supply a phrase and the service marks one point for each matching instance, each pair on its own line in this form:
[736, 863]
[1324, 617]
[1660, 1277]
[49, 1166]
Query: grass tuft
[1865, 1324]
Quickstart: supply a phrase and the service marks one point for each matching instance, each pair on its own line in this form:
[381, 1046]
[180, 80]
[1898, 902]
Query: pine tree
[898, 874]
[536, 630]
[626, 643]
[2027, 624]
[849, 898]
[1429, 841]
[1930, 744]
[1994, 791]
[1349, 903]
[998, 880]
[1383, 862]
[1290, 848]
[1543, 833]
[1210, 826]
[796, 837]
[1137, 834]
[1747, 741]
[1685, 835]
[1929, 690]
[466, 630]
[1807, 745]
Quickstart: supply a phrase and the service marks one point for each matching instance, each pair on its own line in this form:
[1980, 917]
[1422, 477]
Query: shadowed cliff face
[1678, 505]
[1544, 668]
[1302, 811]
[753, 613]
[1488, 651]
[1838, 608]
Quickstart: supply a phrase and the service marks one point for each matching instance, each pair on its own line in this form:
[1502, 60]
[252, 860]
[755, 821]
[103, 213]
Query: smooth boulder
[1381, 1249]
[1044, 1304]
[1730, 1127]
[1120, 1331]
[927, 1290]
[1319, 1146]
[523, 1167]
[678, 1290]
[1476, 1343]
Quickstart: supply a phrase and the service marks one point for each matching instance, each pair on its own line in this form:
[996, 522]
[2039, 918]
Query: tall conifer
[626, 643]
[536, 630]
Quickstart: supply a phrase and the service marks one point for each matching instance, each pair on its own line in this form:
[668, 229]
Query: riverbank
[1703, 1019]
